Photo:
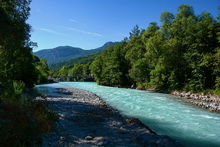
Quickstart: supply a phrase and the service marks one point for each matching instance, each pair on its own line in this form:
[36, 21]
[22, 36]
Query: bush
[23, 120]
[12, 91]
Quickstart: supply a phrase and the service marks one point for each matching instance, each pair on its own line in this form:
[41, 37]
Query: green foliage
[16, 60]
[139, 73]
[110, 68]
[184, 11]
[134, 49]
[217, 68]
[63, 71]
[42, 69]
[12, 91]
[77, 69]
[96, 68]
[182, 54]
[23, 120]
[135, 32]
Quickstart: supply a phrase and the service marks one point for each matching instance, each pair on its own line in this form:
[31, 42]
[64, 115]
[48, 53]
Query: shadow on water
[47, 90]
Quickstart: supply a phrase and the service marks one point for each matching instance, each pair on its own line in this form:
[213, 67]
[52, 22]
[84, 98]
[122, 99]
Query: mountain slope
[59, 54]
[70, 63]
[65, 53]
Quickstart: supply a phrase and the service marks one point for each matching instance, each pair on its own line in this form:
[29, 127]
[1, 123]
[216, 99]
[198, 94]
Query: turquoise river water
[166, 114]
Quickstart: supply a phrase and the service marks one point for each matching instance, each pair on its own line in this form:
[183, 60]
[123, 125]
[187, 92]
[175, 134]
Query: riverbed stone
[205, 101]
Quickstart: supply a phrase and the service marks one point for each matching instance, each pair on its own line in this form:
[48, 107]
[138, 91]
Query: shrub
[23, 120]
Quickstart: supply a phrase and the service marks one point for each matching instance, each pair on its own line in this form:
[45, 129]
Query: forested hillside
[70, 63]
[59, 54]
[181, 54]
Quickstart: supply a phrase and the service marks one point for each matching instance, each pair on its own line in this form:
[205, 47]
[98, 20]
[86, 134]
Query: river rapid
[164, 113]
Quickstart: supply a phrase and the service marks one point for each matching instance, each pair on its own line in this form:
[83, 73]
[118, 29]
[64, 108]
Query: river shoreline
[86, 120]
[209, 102]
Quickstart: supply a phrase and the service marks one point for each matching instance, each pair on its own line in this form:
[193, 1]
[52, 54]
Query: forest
[181, 54]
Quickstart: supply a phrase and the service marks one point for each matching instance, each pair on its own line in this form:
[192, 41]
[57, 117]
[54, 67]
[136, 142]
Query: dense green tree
[166, 18]
[183, 54]
[155, 56]
[63, 71]
[135, 50]
[16, 60]
[96, 68]
[201, 50]
[77, 69]
[150, 31]
[135, 32]
[140, 73]
[86, 70]
[42, 70]
[217, 59]
[111, 67]
[217, 69]
[184, 11]
[178, 44]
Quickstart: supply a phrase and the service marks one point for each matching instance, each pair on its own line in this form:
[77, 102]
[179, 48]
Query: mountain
[65, 53]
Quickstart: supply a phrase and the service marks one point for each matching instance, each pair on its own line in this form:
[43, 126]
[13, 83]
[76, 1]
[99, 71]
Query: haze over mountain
[65, 53]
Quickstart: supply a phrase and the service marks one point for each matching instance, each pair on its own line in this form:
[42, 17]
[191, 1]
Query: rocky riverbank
[205, 101]
[86, 120]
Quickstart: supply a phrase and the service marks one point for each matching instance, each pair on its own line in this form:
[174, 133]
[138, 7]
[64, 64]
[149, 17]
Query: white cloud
[76, 21]
[85, 32]
[49, 31]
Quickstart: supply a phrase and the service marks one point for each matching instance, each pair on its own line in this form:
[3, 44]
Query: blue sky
[89, 24]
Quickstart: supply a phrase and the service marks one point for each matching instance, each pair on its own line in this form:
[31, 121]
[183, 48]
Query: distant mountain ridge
[65, 53]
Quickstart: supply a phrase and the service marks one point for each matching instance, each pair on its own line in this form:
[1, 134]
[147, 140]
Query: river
[164, 113]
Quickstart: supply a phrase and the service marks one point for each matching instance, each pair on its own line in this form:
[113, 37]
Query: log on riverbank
[86, 120]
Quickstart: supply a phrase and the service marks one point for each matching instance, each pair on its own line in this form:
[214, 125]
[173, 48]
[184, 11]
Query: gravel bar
[86, 120]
